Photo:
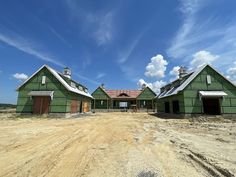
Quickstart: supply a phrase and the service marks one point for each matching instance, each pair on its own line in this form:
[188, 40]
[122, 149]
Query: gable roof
[173, 90]
[103, 90]
[149, 89]
[61, 80]
[122, 93]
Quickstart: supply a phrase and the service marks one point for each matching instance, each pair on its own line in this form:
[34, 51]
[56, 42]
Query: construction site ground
[117, 144]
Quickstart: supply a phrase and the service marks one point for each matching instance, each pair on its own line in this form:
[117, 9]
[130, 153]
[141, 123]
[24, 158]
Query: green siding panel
[61, 99]
[99, 94]
[192, 103]
[146, 94]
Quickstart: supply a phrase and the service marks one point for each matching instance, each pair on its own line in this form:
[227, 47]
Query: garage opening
[167, 107]
[211, 101]
[211, 106]
[175, 105]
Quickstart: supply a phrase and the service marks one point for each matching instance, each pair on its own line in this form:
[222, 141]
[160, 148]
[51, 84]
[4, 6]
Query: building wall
[192, 102]
[99, 95]
[61, 98]
[147, 94]
[80, 99]
[161, 103]
[146, 98]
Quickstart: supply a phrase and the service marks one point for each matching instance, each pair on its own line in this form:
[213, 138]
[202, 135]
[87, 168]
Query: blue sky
[122, 43]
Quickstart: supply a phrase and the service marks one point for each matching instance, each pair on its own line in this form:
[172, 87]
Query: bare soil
[116, 144]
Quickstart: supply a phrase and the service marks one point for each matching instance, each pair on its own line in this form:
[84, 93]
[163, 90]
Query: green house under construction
[50, 92]
[203, 91]
[112, 100]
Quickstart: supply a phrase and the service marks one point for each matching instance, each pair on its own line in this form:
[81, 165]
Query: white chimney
[67, 72]
[103, 86]
[144, 86]
[182, 72]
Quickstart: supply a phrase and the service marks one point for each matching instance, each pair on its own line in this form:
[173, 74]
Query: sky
[122, 44]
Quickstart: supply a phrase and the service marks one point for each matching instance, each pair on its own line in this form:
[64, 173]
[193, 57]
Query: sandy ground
[116, 144]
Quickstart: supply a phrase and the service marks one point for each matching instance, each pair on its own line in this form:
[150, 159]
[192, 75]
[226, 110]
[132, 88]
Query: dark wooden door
[37, 105]
[45, 105]
[74, 106]
[41, 105]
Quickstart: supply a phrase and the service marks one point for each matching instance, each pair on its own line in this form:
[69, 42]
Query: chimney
[144, 86]
[103, 86]
[67, 72]
[182, 72]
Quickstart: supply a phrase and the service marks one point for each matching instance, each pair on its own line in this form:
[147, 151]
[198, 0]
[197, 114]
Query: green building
[50, 92]
[112, 100]
[203, 91]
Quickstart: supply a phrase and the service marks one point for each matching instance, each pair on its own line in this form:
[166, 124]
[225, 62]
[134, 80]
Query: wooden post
[94, 104]
[107, 104]
[152, 106]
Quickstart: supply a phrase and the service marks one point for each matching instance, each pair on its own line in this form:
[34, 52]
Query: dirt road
[117, 144]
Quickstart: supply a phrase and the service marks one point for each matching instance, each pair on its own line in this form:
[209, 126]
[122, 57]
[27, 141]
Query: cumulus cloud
[155, 86]
[157, 67]
[20, 76]
[203, 57]
[174, 73]
[232, 73]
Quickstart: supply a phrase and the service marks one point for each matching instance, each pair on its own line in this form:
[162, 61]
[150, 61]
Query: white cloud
[100, 75]
[98, 25]
[202, 57]
[157, 67]
[155, 86]
[23, 45]
[103, 34]
[86, 62]
[174, 72]
[207, 32]
[20, 76]
[124, 56]
[59, 36]
[232, 73]
[87, 79]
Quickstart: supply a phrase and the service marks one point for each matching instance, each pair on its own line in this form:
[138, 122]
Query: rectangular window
[43, 79]
[208, 79]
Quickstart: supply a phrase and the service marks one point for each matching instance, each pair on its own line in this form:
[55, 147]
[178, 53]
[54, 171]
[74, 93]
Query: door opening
[211, 106]
[167, 107]
[41, 105]
[175, 105]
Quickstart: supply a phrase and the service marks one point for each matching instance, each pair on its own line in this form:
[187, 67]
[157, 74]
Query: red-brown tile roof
[123, 93]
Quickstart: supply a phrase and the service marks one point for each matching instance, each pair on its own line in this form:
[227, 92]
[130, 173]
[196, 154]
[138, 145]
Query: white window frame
[208, 78]
[43, 80]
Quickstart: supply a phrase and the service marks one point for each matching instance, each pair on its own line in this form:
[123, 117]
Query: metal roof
[61, 80]
[186, 82]
[123, 93]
